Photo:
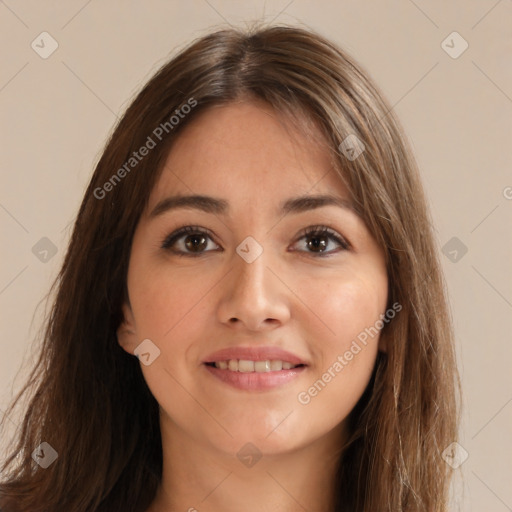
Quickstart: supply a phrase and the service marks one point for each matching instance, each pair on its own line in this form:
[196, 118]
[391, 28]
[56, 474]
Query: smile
[254, 376]
[246, 366]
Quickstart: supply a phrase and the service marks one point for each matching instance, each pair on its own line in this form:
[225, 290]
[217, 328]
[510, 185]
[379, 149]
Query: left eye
[319, 238]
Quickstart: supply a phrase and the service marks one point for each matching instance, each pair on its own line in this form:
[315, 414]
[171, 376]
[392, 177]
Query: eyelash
[312, 231]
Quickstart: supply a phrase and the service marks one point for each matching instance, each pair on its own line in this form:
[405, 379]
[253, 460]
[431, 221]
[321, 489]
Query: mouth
[249, 366]
[253, 376]
[254, 368]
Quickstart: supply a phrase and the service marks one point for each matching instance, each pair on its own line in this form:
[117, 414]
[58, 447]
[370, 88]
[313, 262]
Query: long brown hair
[88, 398]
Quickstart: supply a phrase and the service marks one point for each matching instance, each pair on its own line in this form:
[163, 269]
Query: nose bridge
[250, 277]
[252, 296]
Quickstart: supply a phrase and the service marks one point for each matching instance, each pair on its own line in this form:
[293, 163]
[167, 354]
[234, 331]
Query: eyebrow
[217, 206]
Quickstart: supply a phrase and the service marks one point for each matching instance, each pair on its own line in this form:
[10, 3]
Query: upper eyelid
[184, 231]
[323, 229]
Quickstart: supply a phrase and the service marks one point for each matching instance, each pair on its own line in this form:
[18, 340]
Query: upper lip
[268, 353]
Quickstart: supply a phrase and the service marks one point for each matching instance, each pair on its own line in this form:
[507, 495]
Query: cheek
[344, 362]
[345, 306]
[349, 308]
[172, 309]
[163, 302]
[167, 308]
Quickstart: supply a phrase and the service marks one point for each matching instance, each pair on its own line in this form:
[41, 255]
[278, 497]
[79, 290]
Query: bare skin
[306, 294]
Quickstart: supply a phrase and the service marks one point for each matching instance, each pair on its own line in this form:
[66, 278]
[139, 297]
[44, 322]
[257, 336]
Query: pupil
[317, 242]
[191, 242]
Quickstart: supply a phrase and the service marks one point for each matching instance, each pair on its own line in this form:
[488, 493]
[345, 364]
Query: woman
[251, 313]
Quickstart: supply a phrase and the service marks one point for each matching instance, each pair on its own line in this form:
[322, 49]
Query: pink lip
[268, 353]
[255, 381]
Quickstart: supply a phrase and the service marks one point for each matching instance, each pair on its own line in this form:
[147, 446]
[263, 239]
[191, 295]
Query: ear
[126, 332]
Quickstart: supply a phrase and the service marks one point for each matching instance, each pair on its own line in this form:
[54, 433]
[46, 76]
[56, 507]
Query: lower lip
[255, 381]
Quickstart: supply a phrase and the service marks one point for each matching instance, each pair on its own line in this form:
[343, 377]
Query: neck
[204, 479]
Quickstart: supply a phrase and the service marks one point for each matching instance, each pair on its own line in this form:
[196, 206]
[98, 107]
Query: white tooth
[233, 365]
[287, 365]
[276, 365]
[245, 366]
[262, 366]
[223, 365]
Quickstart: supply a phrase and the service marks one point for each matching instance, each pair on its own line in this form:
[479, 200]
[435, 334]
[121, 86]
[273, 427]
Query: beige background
[57, 112]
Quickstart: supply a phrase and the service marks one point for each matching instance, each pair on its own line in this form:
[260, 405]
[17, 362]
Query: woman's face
[254, 279]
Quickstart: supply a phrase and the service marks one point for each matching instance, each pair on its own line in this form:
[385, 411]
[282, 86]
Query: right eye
[189, 241]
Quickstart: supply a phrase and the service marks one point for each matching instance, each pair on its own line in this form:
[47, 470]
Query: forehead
[247, 150]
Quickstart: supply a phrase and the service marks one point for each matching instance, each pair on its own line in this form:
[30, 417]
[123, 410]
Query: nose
[253, 297]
